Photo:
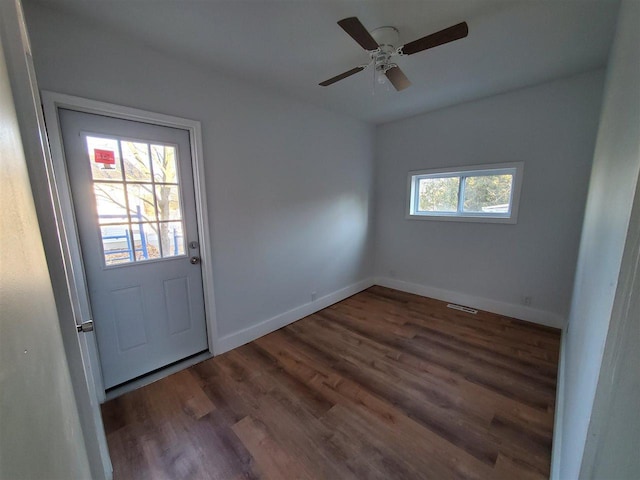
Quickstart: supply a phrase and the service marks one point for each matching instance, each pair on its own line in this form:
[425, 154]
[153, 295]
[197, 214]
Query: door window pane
[168, 200]
[438, 194]
[172, 238]
[135, 157]
[145, 237]
[164, 163]
[116, 244]
[104, 158]
[141, 202]
[487, 193]
[110, 202]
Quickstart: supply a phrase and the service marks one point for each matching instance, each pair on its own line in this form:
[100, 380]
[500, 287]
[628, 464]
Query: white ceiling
[292, 45]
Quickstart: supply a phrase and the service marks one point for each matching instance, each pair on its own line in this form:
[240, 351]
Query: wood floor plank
[524, 333]
[432, 409]
[398, 459]
[273, 460]
[287, 420]
[382, 385]
[477, 342]
[376, 410]
[509, 469]
[452, 385]
[502, 380]
[438, 387]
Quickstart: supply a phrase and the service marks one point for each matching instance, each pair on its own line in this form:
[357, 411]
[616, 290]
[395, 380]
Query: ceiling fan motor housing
[387, 38]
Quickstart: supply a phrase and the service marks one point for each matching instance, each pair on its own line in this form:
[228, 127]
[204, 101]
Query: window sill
[464, 218]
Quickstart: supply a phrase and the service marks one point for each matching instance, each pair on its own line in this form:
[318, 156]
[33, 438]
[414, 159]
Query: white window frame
[514, 168]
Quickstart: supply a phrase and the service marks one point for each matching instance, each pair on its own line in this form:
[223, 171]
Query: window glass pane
[488, 193]
[438, 194]
[116, 244]
[164, 163]
[172, 239]
[104, 158]
[145, 237]
[141, 203]
[168, 202]
[110, 201]
[135, 157]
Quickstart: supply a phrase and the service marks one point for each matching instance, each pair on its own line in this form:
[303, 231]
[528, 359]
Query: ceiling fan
[381, 45]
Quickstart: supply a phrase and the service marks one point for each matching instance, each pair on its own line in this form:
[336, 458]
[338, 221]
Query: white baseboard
[241, 337]
[521, 312]
[236, 339]
[558, 420]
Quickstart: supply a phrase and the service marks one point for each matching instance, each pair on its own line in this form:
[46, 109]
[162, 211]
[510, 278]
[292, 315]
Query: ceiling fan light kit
[381, 46]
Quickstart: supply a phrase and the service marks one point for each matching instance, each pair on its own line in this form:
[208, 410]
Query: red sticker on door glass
[106, 157]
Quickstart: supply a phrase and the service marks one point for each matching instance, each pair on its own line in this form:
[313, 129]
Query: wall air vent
[461, 308]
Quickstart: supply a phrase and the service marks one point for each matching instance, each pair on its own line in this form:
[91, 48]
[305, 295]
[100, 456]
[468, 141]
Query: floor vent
[461, 308]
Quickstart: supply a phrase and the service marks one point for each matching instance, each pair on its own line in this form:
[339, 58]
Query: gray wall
[289, 185]
[551, 128]
[611, 192]
[613, 438]
[40, 435]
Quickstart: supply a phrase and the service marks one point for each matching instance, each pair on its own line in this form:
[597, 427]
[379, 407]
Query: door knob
[194, 260]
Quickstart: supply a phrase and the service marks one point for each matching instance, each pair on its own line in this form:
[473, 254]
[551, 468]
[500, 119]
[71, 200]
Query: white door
[133, 194]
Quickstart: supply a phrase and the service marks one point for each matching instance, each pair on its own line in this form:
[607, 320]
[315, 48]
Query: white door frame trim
[52, 102]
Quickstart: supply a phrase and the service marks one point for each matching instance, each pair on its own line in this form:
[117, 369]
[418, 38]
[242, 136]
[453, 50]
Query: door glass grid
[137, 196]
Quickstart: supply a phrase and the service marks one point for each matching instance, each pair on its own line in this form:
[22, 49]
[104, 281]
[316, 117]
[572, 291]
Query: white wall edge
[541, 317]
[246, 335]
[556, 451]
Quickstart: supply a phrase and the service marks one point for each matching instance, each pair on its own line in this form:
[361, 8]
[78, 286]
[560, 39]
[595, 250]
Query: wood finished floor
[383, 385]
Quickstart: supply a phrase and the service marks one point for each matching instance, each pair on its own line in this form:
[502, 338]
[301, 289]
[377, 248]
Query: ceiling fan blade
[342, 76]
[447, 35]
[397, 78]
[357, 31]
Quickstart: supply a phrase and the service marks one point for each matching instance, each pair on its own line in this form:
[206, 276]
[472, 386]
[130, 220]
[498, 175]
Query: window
[482, 193]
[137, 196]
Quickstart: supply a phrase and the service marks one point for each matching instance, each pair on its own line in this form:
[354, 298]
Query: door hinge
[85, 327]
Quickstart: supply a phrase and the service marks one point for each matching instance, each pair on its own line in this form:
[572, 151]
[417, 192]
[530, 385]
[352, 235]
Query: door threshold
[155, 375]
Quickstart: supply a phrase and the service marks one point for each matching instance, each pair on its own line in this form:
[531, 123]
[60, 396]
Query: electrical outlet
[314, 295]
[526, 301]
